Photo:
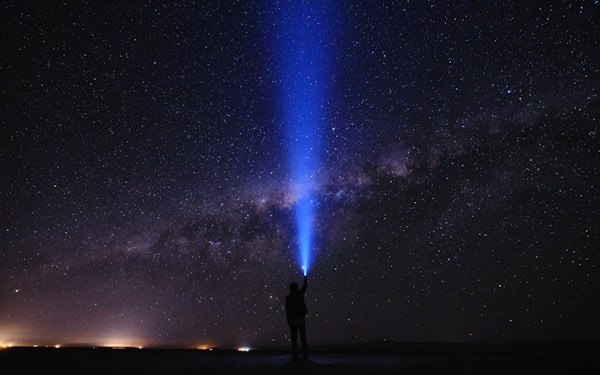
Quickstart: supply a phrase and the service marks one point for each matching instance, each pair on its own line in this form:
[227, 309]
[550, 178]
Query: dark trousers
[294, 330]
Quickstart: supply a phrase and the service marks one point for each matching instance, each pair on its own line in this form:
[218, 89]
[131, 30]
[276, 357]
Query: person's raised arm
[304, 284]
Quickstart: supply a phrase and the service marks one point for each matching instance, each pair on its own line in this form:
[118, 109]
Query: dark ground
[374, 358]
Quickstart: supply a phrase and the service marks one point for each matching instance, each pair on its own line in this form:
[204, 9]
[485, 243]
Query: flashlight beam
[304, 41]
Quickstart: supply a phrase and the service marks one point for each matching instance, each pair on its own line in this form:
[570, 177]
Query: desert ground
[375, 358]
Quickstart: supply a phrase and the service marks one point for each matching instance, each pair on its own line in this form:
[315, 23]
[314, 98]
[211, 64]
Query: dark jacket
[294, 303]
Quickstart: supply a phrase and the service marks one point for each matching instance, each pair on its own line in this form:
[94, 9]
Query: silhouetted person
[295, 309]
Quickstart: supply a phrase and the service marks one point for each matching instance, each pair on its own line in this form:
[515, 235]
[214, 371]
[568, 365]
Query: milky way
[146, 196]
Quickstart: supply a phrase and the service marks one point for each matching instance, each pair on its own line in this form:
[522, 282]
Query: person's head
[293, 287]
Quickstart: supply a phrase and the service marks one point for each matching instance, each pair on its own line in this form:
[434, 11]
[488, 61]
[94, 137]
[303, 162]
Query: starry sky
[147, 196]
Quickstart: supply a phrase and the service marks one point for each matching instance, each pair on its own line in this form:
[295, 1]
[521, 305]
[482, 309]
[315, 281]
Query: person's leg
[302, 329]
[294, 337]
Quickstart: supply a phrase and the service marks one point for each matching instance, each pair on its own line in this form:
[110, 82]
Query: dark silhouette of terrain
[381, 357]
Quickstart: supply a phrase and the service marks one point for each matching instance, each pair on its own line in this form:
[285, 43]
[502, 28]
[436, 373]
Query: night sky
[147, 194]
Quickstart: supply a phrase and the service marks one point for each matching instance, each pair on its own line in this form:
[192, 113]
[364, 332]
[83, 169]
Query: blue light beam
[304, 41]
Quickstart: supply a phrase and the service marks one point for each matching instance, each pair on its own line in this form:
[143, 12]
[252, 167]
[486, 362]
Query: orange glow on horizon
[205, 347]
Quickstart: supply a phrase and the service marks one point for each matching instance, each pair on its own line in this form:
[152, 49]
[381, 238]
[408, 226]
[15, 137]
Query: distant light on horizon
[244, 349]
[123, 343]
